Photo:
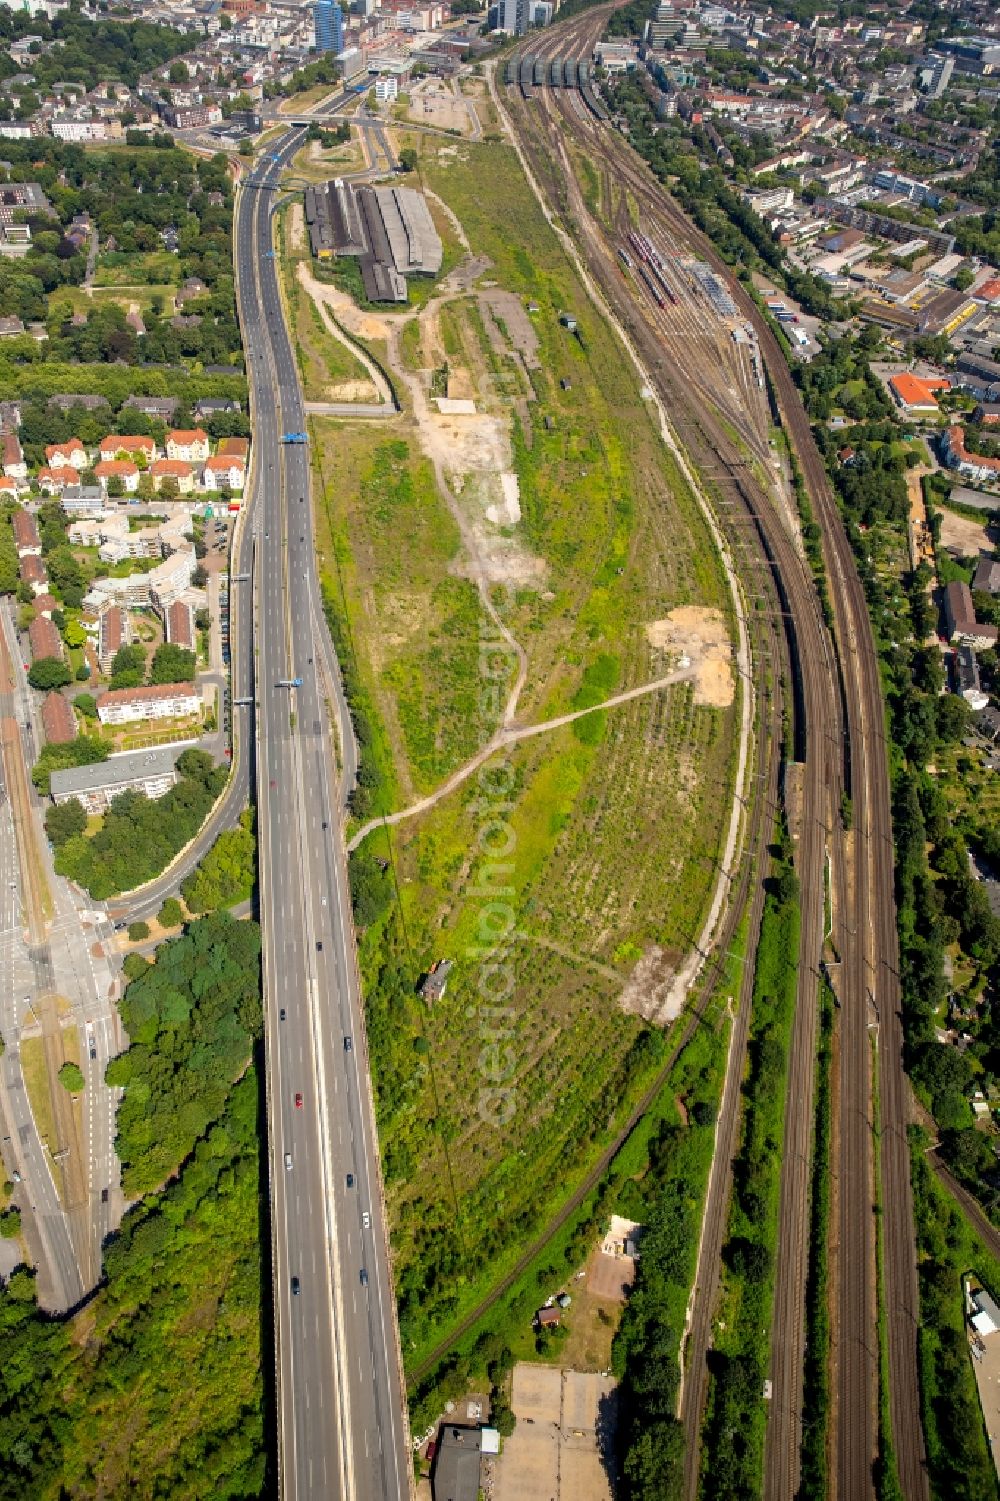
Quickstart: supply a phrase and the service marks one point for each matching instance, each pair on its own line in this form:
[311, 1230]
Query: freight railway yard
[705, 346]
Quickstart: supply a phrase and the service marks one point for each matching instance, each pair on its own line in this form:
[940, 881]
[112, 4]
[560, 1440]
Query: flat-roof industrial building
[389, 230]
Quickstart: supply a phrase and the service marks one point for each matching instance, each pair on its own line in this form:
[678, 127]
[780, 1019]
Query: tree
[74, 634]
[171, 914]
[48, 673]
[138, 932]
[172, 664]
[408, 159]
[71, 1078]
[63, 820]
[87, 705]
[10, 1223]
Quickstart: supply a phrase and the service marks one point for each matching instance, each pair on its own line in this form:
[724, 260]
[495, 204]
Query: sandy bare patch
[352, 390]
[647, 991]
[700, 634]
[962, 535]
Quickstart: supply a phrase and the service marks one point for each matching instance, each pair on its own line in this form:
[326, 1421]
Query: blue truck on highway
[294, 438]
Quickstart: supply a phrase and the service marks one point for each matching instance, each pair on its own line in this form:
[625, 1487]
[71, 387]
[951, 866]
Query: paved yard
[564, 1428]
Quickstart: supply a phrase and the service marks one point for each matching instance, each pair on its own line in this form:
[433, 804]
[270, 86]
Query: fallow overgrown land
[516, 546]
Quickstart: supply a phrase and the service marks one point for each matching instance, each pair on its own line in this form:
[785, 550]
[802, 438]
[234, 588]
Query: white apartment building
[155, 701]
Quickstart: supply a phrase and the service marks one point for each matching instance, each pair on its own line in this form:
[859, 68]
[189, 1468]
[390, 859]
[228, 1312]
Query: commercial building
[915, 396]
[153, 772]
[328, 26]
[155, 701]
[58, 719]
[457, 1464]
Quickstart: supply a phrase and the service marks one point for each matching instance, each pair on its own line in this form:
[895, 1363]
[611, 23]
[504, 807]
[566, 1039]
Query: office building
[328, 21]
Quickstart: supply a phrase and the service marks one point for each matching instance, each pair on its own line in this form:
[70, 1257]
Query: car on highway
[288, 1161]
[364, 1277]
[93, 1050]
[348, 1044]
[281, 1014]
[298, 1101]
[350, 1180]
[295, 1287]
[366, 1220]
[104, 1195]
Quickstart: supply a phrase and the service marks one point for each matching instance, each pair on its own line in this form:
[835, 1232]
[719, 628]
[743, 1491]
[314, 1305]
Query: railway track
[848, 754]
[693, 390]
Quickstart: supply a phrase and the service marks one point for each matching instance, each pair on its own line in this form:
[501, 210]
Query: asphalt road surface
[341, 1421]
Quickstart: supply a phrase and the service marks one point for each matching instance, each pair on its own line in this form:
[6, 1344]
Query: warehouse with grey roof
[389, 230]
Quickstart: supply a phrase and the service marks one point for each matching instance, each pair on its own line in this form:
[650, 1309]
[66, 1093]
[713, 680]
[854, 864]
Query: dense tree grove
[226, 875]
[155, 1388]
[140, 835]
[192, 1018]
[132, 197]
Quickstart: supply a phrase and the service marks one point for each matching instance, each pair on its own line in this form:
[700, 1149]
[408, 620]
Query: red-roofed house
[121, 469]
[189, 444]
[234, 448]
[54, 481]
[116, 447]
[72, 452]
[113, 632]
[44, 604]
[8, 487]
[222, 471]
[32, 571]
[914, 395]
[58, 719]
[180, 624]
[44, 639]
[14, 466]
[177, 469]
[26, 538]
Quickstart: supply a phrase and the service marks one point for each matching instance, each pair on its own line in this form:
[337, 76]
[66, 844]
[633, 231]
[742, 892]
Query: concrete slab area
[564, 1432]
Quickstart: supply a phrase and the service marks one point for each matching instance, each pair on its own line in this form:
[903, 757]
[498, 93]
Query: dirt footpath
[561, 1449]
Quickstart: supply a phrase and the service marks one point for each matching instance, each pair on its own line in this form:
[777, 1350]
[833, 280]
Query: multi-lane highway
[341, 1419]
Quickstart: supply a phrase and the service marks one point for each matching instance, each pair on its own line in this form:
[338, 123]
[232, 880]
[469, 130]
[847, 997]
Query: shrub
[138, 931]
